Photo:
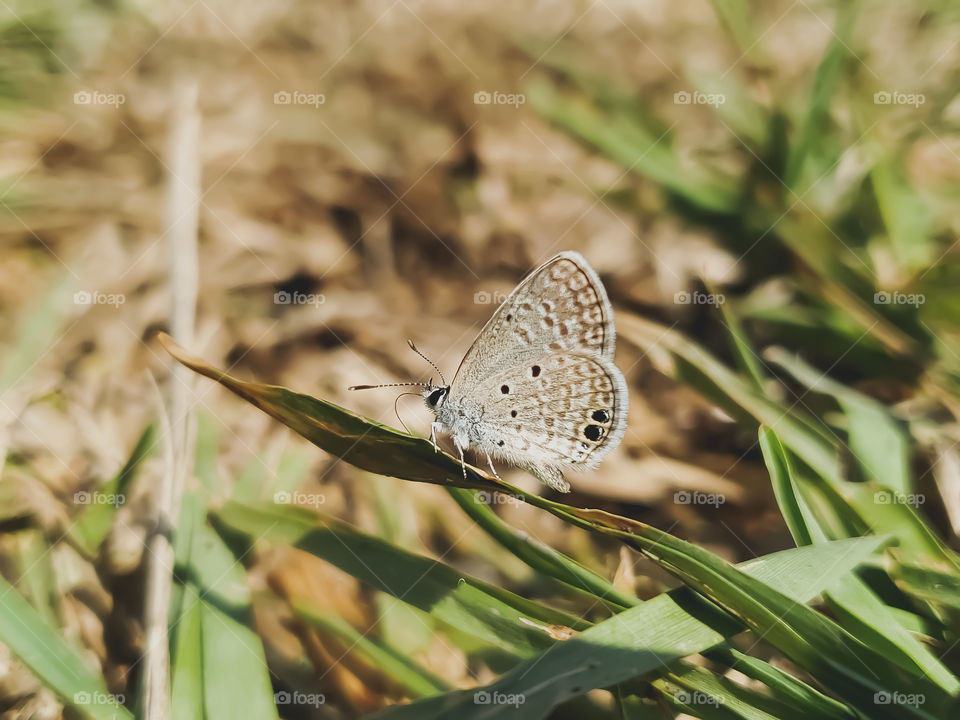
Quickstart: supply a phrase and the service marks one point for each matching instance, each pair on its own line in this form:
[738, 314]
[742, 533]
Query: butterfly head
[434, 395]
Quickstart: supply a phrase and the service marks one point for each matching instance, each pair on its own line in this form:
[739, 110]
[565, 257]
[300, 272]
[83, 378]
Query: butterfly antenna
[406, 384]
[396, 411]
[432, 364]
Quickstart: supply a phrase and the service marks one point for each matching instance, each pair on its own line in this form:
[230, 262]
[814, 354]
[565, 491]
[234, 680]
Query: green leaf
[798, 698]
[401, 669]
[690, 362]
[700, 692]
[186, 689]
[810, 152]
[930, 584]
[496, 616]
[93, 525]
[41, 648]
[859, 610]
[908, 218]
[792, 507]
[216, 603]
[849, 668]
[623, 139]
[878, 442]
[540, 557]
[852, 601]
[646, 638]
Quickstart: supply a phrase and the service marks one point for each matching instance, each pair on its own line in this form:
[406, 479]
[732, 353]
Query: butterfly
[538, 389]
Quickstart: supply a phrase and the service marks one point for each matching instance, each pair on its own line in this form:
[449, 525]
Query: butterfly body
[538, 388]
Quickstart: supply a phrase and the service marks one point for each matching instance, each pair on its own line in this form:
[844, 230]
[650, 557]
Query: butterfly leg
[463, 464]
[492, 469]
[433, 435]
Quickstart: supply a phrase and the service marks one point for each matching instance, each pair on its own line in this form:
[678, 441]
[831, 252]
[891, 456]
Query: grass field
[217, 217]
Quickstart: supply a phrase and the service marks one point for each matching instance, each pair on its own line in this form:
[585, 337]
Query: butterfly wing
[559, 307]
[558, 410]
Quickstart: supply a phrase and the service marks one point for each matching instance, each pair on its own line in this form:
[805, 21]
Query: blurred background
[363, 173]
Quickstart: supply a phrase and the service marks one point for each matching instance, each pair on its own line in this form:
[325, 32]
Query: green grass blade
[859, 610]
[792, 507]
[626, 141]
[835, 658]
[793, 693]
[498, 617]
[855, 605]
[223, 610]
[700, 692]
[930, 584]
[40, 647]
[538, 556]
[649, 637]
[401, 669]
[187, 682]
[93, 524]
[809, 153]
[877, 441]
[691, 363]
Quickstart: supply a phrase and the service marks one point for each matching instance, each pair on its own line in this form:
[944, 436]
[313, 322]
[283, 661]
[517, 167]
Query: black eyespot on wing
[504, 389]
[513, 413]
[435, 396]
[535, 371]
[593, 432]
[500, 443]
[509, 317]
[601, 416]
